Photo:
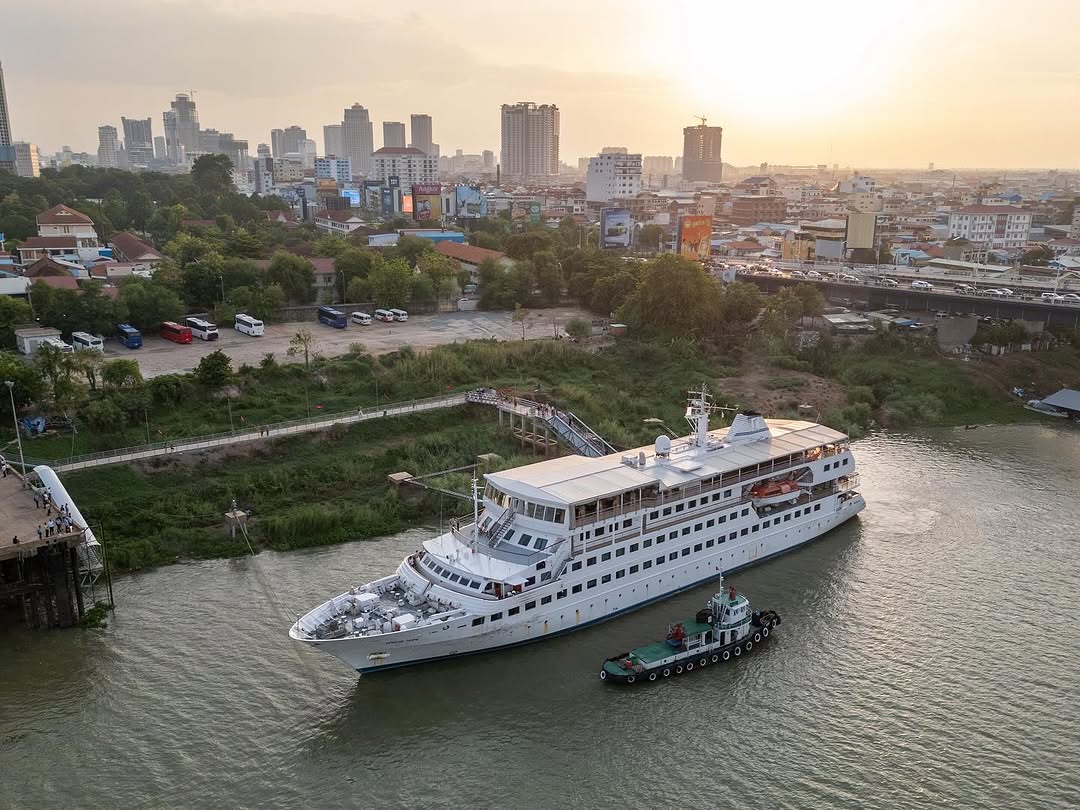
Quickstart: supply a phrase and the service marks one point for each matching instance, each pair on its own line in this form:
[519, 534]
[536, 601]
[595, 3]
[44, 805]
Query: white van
[399, 314]
[84, 341]
[248, 325]
[384, 315]
[203, 330]
[361, 318]
[58, 344]
[922, 286]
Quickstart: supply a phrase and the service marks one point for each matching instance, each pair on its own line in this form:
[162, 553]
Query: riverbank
[331, 487]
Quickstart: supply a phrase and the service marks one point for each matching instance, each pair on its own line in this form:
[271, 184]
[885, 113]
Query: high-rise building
[614, 150]
[612, 175]
[174, 152]
[530, 140]
[138, 141]
[356, 138]
[263, 173]
[27, 160]
[489, 160]
[332, 143]
[277, 142]
[393, 133]
[187, 126]
[161, 151]
[307, 151]
[333, 168]
[701, 154]
[7, 150]
[420, 126]
[263, 150]
[108, 151]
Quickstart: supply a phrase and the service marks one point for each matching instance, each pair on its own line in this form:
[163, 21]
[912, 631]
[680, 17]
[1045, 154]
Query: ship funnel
[747, 426]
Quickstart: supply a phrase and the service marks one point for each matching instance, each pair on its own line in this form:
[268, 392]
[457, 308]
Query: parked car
[814, 274]
[847, 278]
[888, 282]
[1070, 298]
[964, 289]
[775, 272]
[922, 286]
[1050, 296]
[1006, 292]
[798, 274]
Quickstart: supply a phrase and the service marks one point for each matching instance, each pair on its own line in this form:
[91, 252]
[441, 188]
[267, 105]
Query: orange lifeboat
[772, 492]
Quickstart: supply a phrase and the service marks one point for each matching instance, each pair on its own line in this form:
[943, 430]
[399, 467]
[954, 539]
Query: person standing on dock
[40, 532]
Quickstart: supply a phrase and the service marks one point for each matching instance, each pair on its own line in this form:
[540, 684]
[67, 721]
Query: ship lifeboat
[774, 492]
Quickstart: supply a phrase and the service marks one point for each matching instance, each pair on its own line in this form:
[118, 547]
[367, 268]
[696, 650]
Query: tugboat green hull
[724, 631]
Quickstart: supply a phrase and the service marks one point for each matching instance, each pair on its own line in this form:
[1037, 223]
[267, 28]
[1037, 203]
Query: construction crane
[702, 119]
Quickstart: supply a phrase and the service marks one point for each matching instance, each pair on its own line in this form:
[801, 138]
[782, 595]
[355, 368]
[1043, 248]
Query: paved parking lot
[159, 356]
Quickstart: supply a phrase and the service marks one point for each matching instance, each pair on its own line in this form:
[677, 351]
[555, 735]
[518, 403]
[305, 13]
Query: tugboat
[725, 629]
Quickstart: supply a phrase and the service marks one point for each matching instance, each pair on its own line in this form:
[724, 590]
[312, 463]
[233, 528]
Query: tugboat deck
[659, 650]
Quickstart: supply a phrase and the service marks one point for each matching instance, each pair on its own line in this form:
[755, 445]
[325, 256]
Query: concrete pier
[39, 576]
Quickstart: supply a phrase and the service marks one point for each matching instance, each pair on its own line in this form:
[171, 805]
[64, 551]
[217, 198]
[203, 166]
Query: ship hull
[459, 638]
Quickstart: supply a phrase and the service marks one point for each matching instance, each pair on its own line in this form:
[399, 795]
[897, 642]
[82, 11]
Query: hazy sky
[858, 82]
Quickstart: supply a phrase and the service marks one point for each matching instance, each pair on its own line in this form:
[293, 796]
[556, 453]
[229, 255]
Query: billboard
[534, 213]
[387, 202]
[470, 202]
[695, 237]
[352, 195]
[615, 228]
[519, 212]
[427, 202]
[861, 231]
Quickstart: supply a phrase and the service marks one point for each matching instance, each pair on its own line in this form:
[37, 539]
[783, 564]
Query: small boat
[773, 492]
[725, 629]
[1039, 406]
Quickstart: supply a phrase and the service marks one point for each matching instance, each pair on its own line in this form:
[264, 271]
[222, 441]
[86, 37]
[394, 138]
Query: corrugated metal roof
[577, 479]
[1066, 398]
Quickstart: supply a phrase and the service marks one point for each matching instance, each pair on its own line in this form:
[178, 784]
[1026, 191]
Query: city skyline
[845, 83]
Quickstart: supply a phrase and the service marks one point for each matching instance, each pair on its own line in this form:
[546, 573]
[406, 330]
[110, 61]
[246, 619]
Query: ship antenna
[475, 511]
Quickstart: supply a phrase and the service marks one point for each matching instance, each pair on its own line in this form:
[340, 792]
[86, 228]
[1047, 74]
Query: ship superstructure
[561, 544]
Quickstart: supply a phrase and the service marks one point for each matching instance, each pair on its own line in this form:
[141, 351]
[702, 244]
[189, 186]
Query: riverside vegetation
[328, 487]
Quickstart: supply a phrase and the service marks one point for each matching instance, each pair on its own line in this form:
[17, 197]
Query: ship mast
[475, 512]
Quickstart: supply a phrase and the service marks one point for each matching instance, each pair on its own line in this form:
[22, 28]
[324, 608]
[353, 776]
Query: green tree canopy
[391, 284]
[294, 274]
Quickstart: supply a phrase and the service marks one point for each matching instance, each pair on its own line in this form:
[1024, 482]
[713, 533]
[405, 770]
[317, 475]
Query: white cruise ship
[565, 543]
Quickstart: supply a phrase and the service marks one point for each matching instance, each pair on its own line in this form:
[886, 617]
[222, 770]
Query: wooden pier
[40, 576]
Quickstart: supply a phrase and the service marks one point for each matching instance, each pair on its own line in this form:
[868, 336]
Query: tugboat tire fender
[749, 645]
[757, 637]
[715, 658]
[765, 631]
[666, 673]
[726, 655]
[631, 678]
[603, 675]
[678, 669]
[652, 676]
[775, 622]
[703, 662]
[689, 666]
[737, 651]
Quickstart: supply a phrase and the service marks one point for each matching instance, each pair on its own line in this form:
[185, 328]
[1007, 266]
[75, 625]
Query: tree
[89, 364]
[519, 316]
[354, 263]
[579, 329]
[813, 302]
[203, 281]
[214, 370]
[103, 415]
[294, 274]
[56, 369]
[358, 291]
[28, 383]
[149, 303]
[13, 312]
[140, 209]
[303, 342]
[241, 242]
[391, 284]
[884, 255]
[649, 237]
[674, 295]
[483, 239]
[442, 271]
[212, 174]
[411, 248]
[524, 245]
[549, 277]
[117, 374]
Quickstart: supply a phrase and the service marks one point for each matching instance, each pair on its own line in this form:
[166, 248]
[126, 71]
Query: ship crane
[702, 119]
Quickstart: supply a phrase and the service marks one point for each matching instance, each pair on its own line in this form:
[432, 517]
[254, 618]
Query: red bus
[175, 332]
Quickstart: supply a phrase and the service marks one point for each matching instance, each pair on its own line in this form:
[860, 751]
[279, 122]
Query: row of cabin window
[647, 564]
[841, 463]
[539, 544]
[451, 576]
[693, 502]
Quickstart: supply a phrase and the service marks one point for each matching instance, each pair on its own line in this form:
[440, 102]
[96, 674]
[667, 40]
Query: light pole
[15, 419]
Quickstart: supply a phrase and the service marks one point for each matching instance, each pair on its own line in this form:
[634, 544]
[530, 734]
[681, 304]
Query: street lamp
[15, 419]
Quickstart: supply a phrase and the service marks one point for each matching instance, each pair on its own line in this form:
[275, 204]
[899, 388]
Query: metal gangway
[566, 426]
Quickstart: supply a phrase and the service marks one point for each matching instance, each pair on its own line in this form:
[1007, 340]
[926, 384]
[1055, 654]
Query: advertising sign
[615, 228]
[519, 212]
[427, 202]
[387, 202]
[534, 213]
[352, 195]
[470, 202]
[695, 237]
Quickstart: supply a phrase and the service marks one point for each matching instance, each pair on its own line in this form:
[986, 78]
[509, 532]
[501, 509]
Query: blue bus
[332, 317]
[129, 335]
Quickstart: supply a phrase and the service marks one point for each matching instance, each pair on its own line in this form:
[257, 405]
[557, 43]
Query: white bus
[384, 315]
[361, 318]
[399, 314]
[57, 343]
[204, 330]
[248, 325]
[84, 341]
